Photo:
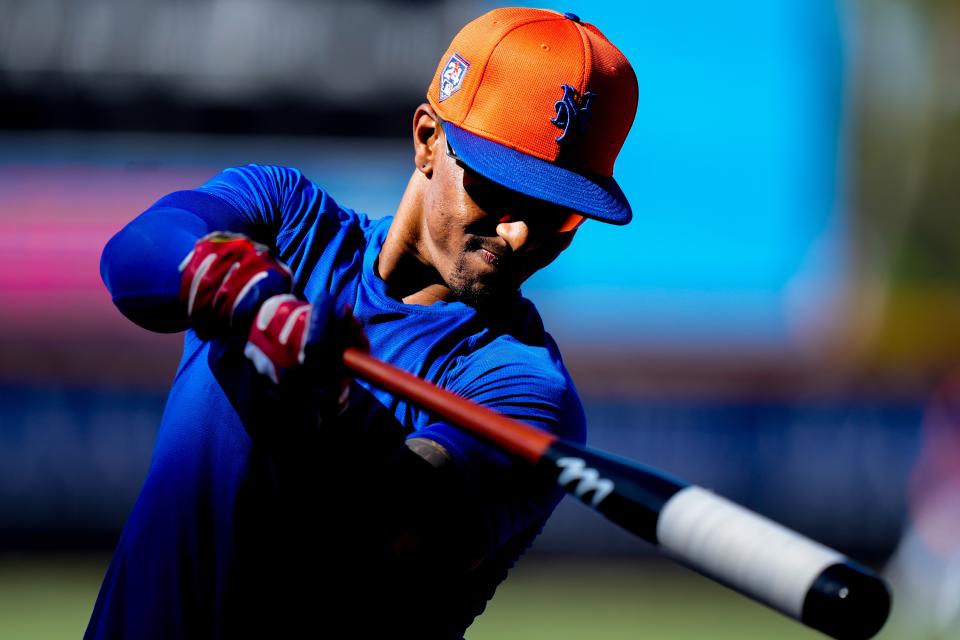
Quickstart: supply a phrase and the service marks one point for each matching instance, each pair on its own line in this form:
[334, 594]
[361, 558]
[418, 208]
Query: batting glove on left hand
[225, 278]
[299, 347]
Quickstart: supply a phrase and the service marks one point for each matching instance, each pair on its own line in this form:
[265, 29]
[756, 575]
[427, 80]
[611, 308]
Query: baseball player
[284, 498]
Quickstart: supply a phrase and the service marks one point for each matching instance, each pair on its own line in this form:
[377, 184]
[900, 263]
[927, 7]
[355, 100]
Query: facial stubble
[471, 289]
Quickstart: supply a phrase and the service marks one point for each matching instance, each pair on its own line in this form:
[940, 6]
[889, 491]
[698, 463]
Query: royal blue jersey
[230, 536]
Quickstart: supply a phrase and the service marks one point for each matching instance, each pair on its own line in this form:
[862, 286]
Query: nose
[515, 233]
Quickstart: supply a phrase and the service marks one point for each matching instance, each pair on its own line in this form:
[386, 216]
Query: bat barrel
[728, 543]
[625, 492]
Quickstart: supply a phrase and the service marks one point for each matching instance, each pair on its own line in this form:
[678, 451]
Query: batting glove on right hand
[299, 347]
[225, 278]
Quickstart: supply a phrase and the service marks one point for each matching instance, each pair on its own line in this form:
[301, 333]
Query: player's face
[486, 240]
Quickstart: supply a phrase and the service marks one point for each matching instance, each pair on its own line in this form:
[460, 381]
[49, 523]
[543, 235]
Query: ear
[426, 134]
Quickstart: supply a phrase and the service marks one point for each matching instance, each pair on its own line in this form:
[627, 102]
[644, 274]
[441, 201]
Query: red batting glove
[225, 278]
[299, 345]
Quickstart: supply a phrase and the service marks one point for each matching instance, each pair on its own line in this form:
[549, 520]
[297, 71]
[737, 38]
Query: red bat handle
[512, 436]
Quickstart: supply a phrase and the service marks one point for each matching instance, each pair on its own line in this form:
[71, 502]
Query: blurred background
[780, 323]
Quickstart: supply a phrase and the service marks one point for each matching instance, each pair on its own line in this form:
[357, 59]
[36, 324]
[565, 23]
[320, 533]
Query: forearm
[406, 494]
[140, 264]
[428, 515]
[432, 518]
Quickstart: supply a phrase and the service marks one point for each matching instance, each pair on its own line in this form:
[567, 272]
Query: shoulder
[263, 185]
[516, 344]
[293, 206]
[524, 379]
[272, 188]
[272, 179]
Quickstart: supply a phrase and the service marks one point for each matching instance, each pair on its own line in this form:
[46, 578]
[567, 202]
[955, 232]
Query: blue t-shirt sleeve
[536, 390]
[273, 205]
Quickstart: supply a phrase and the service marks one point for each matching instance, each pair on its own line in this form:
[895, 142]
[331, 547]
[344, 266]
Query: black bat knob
[847, 602]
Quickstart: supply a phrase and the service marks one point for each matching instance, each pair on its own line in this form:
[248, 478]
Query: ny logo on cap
[572, 110]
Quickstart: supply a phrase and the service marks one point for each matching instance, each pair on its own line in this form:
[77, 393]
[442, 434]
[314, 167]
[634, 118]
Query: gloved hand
[299, 347]
[225, 279]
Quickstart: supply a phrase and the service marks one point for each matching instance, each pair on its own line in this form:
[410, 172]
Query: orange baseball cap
[541, 103]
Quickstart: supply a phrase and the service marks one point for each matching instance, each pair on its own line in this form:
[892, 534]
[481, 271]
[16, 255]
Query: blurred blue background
[778, 323]
[734, 169]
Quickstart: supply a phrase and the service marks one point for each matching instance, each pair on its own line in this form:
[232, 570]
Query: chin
[486, 295]
[482, 287]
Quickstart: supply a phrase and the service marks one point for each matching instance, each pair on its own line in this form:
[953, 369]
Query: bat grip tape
[744, 550]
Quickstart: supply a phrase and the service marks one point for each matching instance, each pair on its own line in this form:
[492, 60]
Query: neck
[403, 264]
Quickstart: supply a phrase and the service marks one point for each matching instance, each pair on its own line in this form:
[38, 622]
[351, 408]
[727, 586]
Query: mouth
[491, 258]
[489, 252]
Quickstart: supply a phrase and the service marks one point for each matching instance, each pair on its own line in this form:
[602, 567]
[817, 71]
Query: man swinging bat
[284, 498]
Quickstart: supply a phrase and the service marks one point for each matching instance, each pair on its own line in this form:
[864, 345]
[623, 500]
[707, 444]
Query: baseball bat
[765, 561]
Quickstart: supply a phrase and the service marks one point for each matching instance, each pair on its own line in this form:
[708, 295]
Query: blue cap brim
[594, 196]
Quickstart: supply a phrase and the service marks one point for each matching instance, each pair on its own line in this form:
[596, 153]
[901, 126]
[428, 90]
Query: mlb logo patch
[452, 77]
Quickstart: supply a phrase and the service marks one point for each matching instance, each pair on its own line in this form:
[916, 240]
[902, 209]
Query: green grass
[51, 597]
[629, 600]
[48, 597]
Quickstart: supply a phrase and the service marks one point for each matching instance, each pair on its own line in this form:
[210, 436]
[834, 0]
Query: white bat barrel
[770, 563]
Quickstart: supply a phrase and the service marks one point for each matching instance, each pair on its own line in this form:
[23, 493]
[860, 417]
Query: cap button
[571, 16]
